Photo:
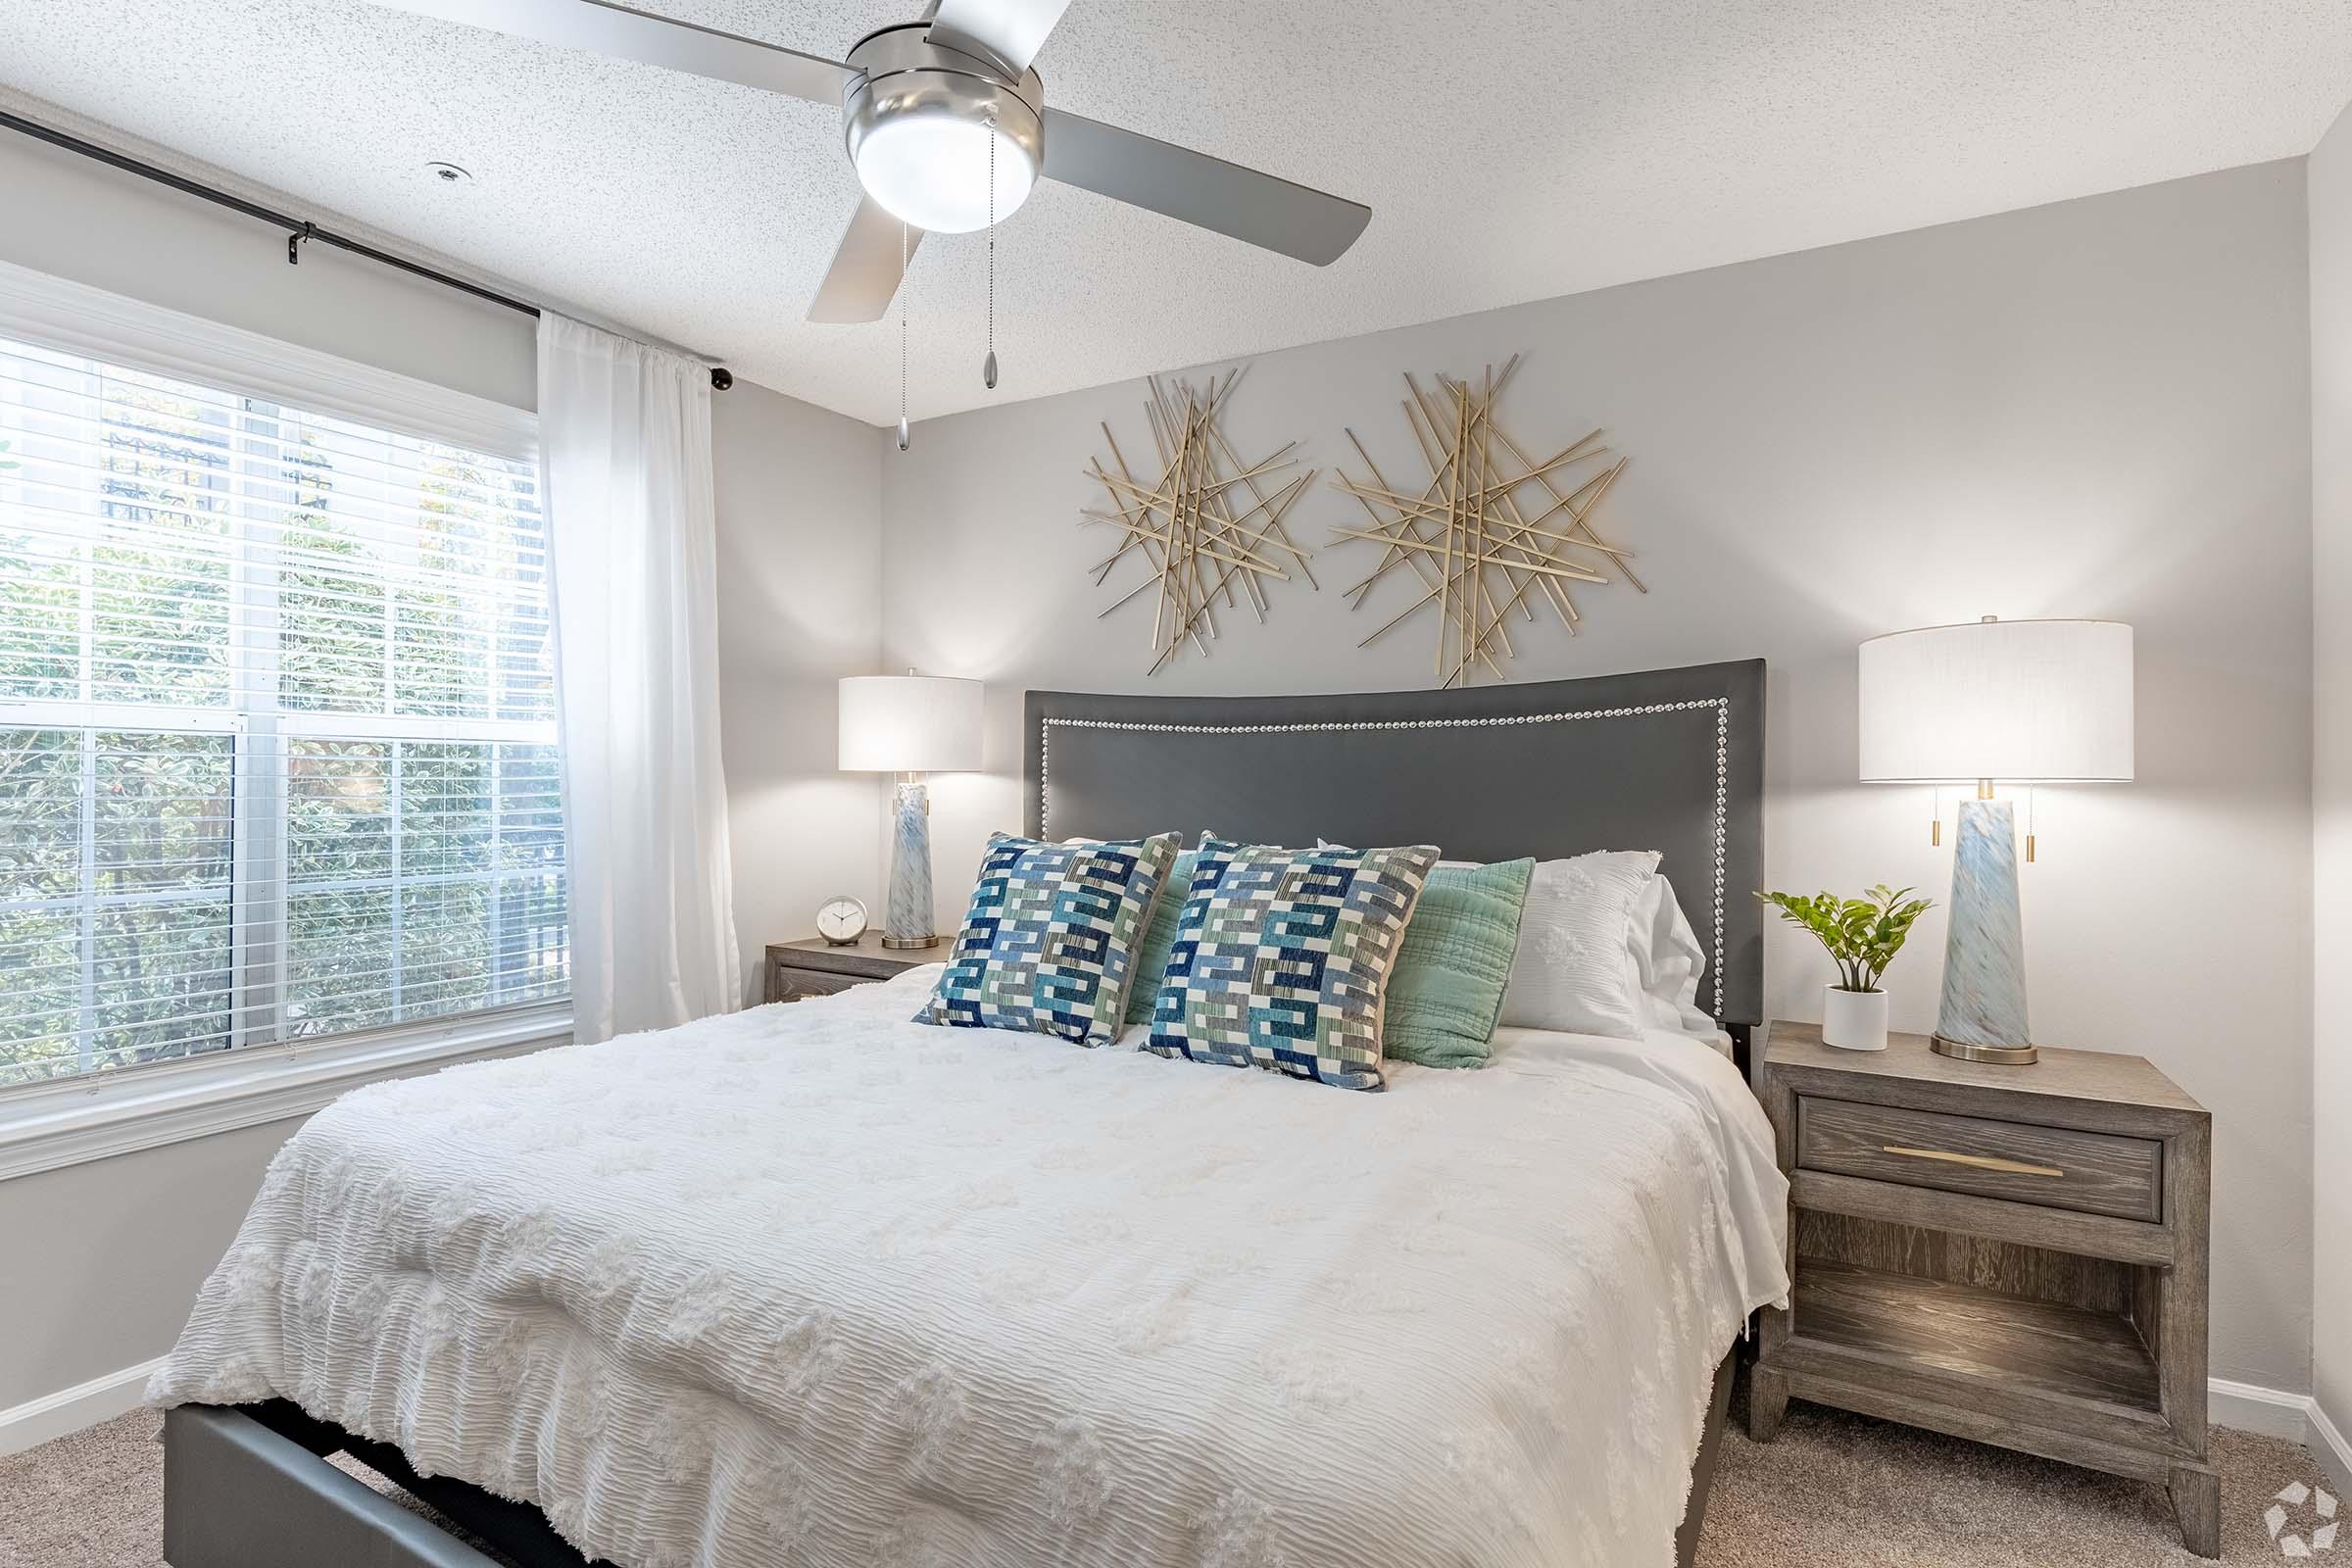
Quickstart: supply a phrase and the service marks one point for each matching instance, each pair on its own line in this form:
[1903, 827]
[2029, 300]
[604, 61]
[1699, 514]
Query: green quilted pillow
[1446, 989]
[1152, 956]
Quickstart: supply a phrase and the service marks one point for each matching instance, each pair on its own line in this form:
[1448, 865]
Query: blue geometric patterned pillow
[1282, 958]
[1049, 943]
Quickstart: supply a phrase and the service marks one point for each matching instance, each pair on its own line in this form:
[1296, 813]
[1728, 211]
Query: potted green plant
[1863, 936]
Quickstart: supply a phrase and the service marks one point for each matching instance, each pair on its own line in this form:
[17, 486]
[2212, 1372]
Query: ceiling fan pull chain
[988, 367]
[903, 287]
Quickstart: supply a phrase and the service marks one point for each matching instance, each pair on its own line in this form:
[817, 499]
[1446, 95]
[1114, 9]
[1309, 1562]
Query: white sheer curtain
[625, 442]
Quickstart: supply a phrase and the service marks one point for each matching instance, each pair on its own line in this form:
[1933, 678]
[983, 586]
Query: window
[276, 723]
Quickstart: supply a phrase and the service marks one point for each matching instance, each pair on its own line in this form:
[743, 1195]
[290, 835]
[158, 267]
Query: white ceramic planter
[1853, 1020]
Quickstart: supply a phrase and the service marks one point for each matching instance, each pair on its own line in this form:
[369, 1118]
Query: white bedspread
[815, 1284]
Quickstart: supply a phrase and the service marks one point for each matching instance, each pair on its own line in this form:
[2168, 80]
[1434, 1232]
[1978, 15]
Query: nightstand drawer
[815, 967]
[2055, 1167]
[796, 985]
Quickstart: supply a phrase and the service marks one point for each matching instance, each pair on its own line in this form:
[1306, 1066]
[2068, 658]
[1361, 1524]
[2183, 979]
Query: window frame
[51, 1122]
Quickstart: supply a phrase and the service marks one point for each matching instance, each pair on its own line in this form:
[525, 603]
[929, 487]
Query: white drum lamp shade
[2029, 702]
[2020, 701]
[909, 724]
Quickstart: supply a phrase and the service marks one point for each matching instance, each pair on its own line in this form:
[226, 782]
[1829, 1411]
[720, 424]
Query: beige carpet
[1833, 1492]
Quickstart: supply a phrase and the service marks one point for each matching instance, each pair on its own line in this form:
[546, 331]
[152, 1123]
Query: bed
[818, 1283]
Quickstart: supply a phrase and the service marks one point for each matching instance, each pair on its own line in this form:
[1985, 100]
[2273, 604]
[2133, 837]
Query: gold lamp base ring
[2000, 1055]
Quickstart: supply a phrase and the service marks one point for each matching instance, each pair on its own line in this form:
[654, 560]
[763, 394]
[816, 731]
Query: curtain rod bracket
[294, 243]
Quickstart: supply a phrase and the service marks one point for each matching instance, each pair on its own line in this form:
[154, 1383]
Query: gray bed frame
[1671, 760]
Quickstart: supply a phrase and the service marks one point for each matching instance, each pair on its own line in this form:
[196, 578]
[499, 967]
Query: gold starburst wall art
[1206, 529]
[1494, 531]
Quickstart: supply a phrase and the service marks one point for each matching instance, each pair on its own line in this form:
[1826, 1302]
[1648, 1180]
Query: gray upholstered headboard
[1666, 760]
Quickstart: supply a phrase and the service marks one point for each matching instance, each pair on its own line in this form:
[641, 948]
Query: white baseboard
[2251, 1407]
[2276, 1413]
[2334, 1450]
[68, 1410]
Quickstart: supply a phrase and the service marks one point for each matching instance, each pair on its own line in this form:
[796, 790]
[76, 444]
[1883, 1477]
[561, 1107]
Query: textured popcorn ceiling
[1509, 152]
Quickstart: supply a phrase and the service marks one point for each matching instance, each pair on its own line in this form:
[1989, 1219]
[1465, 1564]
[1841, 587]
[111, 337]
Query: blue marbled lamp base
[1983, 1014]
[906, 923]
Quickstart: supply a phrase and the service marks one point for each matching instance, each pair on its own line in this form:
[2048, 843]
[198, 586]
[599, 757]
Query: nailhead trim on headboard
[1723, 738]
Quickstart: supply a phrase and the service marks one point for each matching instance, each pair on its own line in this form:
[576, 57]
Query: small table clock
[841, 921]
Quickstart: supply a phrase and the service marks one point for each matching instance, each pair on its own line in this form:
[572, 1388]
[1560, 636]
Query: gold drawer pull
[1980, 1161]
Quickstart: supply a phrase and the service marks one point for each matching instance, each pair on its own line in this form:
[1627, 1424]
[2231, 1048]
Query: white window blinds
[276, 723]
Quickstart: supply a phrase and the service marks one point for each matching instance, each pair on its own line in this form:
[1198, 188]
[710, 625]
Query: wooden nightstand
[2014, 1255]
[814, 967]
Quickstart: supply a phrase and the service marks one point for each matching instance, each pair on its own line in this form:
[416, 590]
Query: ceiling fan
[924, 104]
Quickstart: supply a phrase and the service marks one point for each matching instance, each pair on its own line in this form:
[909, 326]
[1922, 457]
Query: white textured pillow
[1575, 969]
[1671, 961]
[1569, 965]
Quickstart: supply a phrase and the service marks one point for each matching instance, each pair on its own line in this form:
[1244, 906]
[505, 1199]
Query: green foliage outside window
[415, 876]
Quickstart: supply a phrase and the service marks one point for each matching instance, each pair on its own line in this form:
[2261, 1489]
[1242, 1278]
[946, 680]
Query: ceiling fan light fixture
[970, 60]
[931, 170]
[919, 122]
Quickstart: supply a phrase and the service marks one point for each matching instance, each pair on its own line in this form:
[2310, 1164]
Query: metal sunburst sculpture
[1476, 541]
[1207, 530]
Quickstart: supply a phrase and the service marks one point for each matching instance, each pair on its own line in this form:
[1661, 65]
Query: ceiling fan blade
[1208, 193]
[864, 275]
[606, 28]
[1009, 32]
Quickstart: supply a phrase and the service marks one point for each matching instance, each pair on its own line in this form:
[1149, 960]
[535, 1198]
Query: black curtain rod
[298, 230]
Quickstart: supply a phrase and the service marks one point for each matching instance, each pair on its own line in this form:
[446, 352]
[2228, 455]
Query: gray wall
[799, 605]
[2099, 408]
[2331, 186]
[103, 1260]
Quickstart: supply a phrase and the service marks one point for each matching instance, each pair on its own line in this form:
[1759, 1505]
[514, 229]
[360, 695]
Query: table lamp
[909, 725]
[1996, 702]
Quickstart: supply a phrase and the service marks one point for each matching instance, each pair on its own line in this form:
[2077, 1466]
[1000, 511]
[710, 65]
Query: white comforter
[815, 1285]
